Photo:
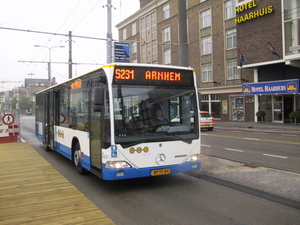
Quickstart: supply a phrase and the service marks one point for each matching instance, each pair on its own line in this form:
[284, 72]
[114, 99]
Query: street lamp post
[49, 62]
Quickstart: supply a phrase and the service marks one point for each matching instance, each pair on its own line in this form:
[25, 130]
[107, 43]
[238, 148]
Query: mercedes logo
[160, 159]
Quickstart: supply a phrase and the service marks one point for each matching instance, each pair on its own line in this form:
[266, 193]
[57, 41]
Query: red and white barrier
[9, 133]
[4, 130]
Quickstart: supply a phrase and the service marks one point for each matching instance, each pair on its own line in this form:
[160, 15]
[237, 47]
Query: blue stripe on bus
[111, 174]
[64, 150]
[39, 137]
[67, 152]
[86, 162]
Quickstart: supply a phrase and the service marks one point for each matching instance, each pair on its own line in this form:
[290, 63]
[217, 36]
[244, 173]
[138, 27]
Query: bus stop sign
[122, 52]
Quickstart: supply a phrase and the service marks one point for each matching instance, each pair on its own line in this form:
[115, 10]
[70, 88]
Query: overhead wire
[86, 15]
[104, 39]
[56, 32]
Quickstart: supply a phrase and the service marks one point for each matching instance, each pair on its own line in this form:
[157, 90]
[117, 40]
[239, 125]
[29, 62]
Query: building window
[154, 52]
[148, 36]
[134, 47]
[124, 34]
[211, 103]
[231, 41]
[166, 11]
[153, 25]
[207, 73]
[291, 27]
[167, 56]
[133, 29]
[205, 98]
[229, 9]
[206, 45]
[143, 53]
[215, 97]
[232, 72]
[206, 18]
[166, 34]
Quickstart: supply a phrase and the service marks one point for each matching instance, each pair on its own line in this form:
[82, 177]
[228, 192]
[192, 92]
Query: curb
[251, 191]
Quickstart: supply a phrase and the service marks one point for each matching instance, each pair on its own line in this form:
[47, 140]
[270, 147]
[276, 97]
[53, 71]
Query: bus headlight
[117, 165]
[192, 158]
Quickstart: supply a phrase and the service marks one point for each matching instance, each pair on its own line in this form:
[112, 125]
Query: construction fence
[9, 127]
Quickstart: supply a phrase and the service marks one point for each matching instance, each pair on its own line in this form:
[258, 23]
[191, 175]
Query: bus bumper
[128, 173]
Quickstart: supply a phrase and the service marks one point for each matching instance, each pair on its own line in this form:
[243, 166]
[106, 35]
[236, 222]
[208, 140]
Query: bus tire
[77, 159]
[47, 148]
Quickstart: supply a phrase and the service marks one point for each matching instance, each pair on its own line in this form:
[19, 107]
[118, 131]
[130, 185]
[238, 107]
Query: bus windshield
[145, 113]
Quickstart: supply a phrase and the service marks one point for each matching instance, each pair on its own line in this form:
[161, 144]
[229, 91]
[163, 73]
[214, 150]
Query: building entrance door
[237, 108]
[288, 102]
[278, 109]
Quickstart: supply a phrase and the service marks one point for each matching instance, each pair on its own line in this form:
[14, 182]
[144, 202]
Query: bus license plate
[160, 172]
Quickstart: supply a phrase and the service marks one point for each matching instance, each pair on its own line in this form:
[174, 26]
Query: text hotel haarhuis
[251, 15]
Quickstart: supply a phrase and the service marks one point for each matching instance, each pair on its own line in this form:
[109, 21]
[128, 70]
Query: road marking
[276, 156]
[260, 133]
[237, 131]
[208, 146]
[265, 140]
[291, 135]
[253, 139]
[234, 150]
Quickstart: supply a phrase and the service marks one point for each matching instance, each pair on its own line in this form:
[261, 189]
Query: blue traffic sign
[122, 52]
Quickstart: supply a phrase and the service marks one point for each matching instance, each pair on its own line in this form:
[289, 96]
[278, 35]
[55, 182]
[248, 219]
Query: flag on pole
[273, 51]
[242, 58]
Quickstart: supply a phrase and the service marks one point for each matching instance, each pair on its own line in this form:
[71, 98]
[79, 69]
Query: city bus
[103, 121]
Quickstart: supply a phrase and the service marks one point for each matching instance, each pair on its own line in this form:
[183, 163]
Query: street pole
[70, 54]
[49, 72]
[109, 34]
[49, 62]
[183, 41]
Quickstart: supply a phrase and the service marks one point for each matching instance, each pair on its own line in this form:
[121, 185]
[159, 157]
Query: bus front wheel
[77, 159]
[47, 148]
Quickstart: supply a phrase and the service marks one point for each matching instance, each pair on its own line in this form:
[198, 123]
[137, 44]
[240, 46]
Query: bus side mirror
[98, 99]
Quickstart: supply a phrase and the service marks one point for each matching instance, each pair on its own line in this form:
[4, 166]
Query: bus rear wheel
[77, 159]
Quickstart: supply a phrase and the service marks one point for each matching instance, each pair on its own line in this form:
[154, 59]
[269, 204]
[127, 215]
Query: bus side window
[98, 99]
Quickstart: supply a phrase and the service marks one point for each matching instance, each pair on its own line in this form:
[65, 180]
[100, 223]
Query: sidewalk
[276, 185]
[33, 192]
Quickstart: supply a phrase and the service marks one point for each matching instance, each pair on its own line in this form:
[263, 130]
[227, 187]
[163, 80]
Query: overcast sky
[82, 17]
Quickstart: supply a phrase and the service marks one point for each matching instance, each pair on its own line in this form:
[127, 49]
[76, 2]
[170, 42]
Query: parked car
[207, 121]
[28, 113]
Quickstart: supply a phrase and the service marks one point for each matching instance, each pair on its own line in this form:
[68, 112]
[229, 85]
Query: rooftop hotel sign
[268, 88]
[251, 15]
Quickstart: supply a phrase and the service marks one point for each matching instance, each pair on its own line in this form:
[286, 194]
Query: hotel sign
[251, 15]
[268, 88]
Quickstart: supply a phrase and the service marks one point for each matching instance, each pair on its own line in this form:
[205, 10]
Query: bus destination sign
[151, 75]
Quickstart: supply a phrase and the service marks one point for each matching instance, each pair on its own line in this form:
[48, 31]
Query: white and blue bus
[104, 121]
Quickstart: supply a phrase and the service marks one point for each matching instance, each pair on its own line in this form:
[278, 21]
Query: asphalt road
[172, 199]
[260, 148]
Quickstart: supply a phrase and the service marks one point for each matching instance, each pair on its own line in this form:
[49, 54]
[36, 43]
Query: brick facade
[251, 35]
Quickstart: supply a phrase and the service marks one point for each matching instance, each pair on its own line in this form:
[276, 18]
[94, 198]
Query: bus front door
[48, 127]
